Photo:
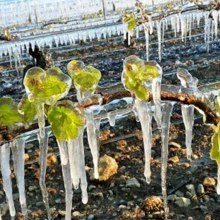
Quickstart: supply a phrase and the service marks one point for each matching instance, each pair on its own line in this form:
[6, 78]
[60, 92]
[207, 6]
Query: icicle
[66, 177]
[129, 38]
[144, 113]
[156, 89]
[159, 39]
[183, 27]
[6, 176]
[82, 171]
[187, 81]
[190, 20]
[111, 118]
[215, 15]
[93, 140]
[74, 161]
[188, 119]
[167, 110]
[18, 160]
[147, 43]
[218, 180]
[137, 32]
[43, 144]
[207, 31]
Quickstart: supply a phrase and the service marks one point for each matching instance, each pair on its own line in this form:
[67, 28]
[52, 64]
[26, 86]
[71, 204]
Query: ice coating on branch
[93, 139]
[144, 113]
[187, 81]
[111, 118]
[6, 176]
[167, 110]
[63, 148]
[18, 160]
[218, 180]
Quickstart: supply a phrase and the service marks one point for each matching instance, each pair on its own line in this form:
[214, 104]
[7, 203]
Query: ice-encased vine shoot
[86, 79]
[45, 87]
[187, 81]
[137, 77]
[67, 122]
[129, 20]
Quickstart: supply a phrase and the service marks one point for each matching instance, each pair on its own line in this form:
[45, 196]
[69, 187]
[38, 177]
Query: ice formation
[18, 160]
[156, 89]
[65, 163]
[43, 146]
[6, 176]
[93, 139]
[187, 81]
[167, 110]
[144, 112]
[73, 169]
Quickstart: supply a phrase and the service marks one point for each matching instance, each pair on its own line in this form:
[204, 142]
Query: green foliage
[27, 109]
[136, 73]
[46, 86]
[65, 122]
[217, 104]
[215, 151]
[130, 20]
[85, 78]
[9, 114]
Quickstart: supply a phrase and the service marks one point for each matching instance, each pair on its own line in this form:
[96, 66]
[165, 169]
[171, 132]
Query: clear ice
[63, 148]
[156, 89]
[144, 112]
[6, 176]
[18, 160]
[93, 139]
[187, 81]
[167, 111]
[43, 145]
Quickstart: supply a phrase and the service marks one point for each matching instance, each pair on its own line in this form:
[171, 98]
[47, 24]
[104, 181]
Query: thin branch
[117, 92]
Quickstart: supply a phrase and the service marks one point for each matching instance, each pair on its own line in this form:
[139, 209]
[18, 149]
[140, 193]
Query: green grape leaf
[137, 72]
[130, 20]
[46, 86]
[27, 109]
[73, 66]
[130, 84]
[85, 78]
[215, 151]
[142, 93]
[51, 86]
[65, 123]
[217, 104]
[9, 114]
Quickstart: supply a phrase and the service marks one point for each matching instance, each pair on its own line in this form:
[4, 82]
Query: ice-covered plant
[44, 87]
[85, 78]
[137, 76]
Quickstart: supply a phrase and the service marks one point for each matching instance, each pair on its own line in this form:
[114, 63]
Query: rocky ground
[126, 195]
